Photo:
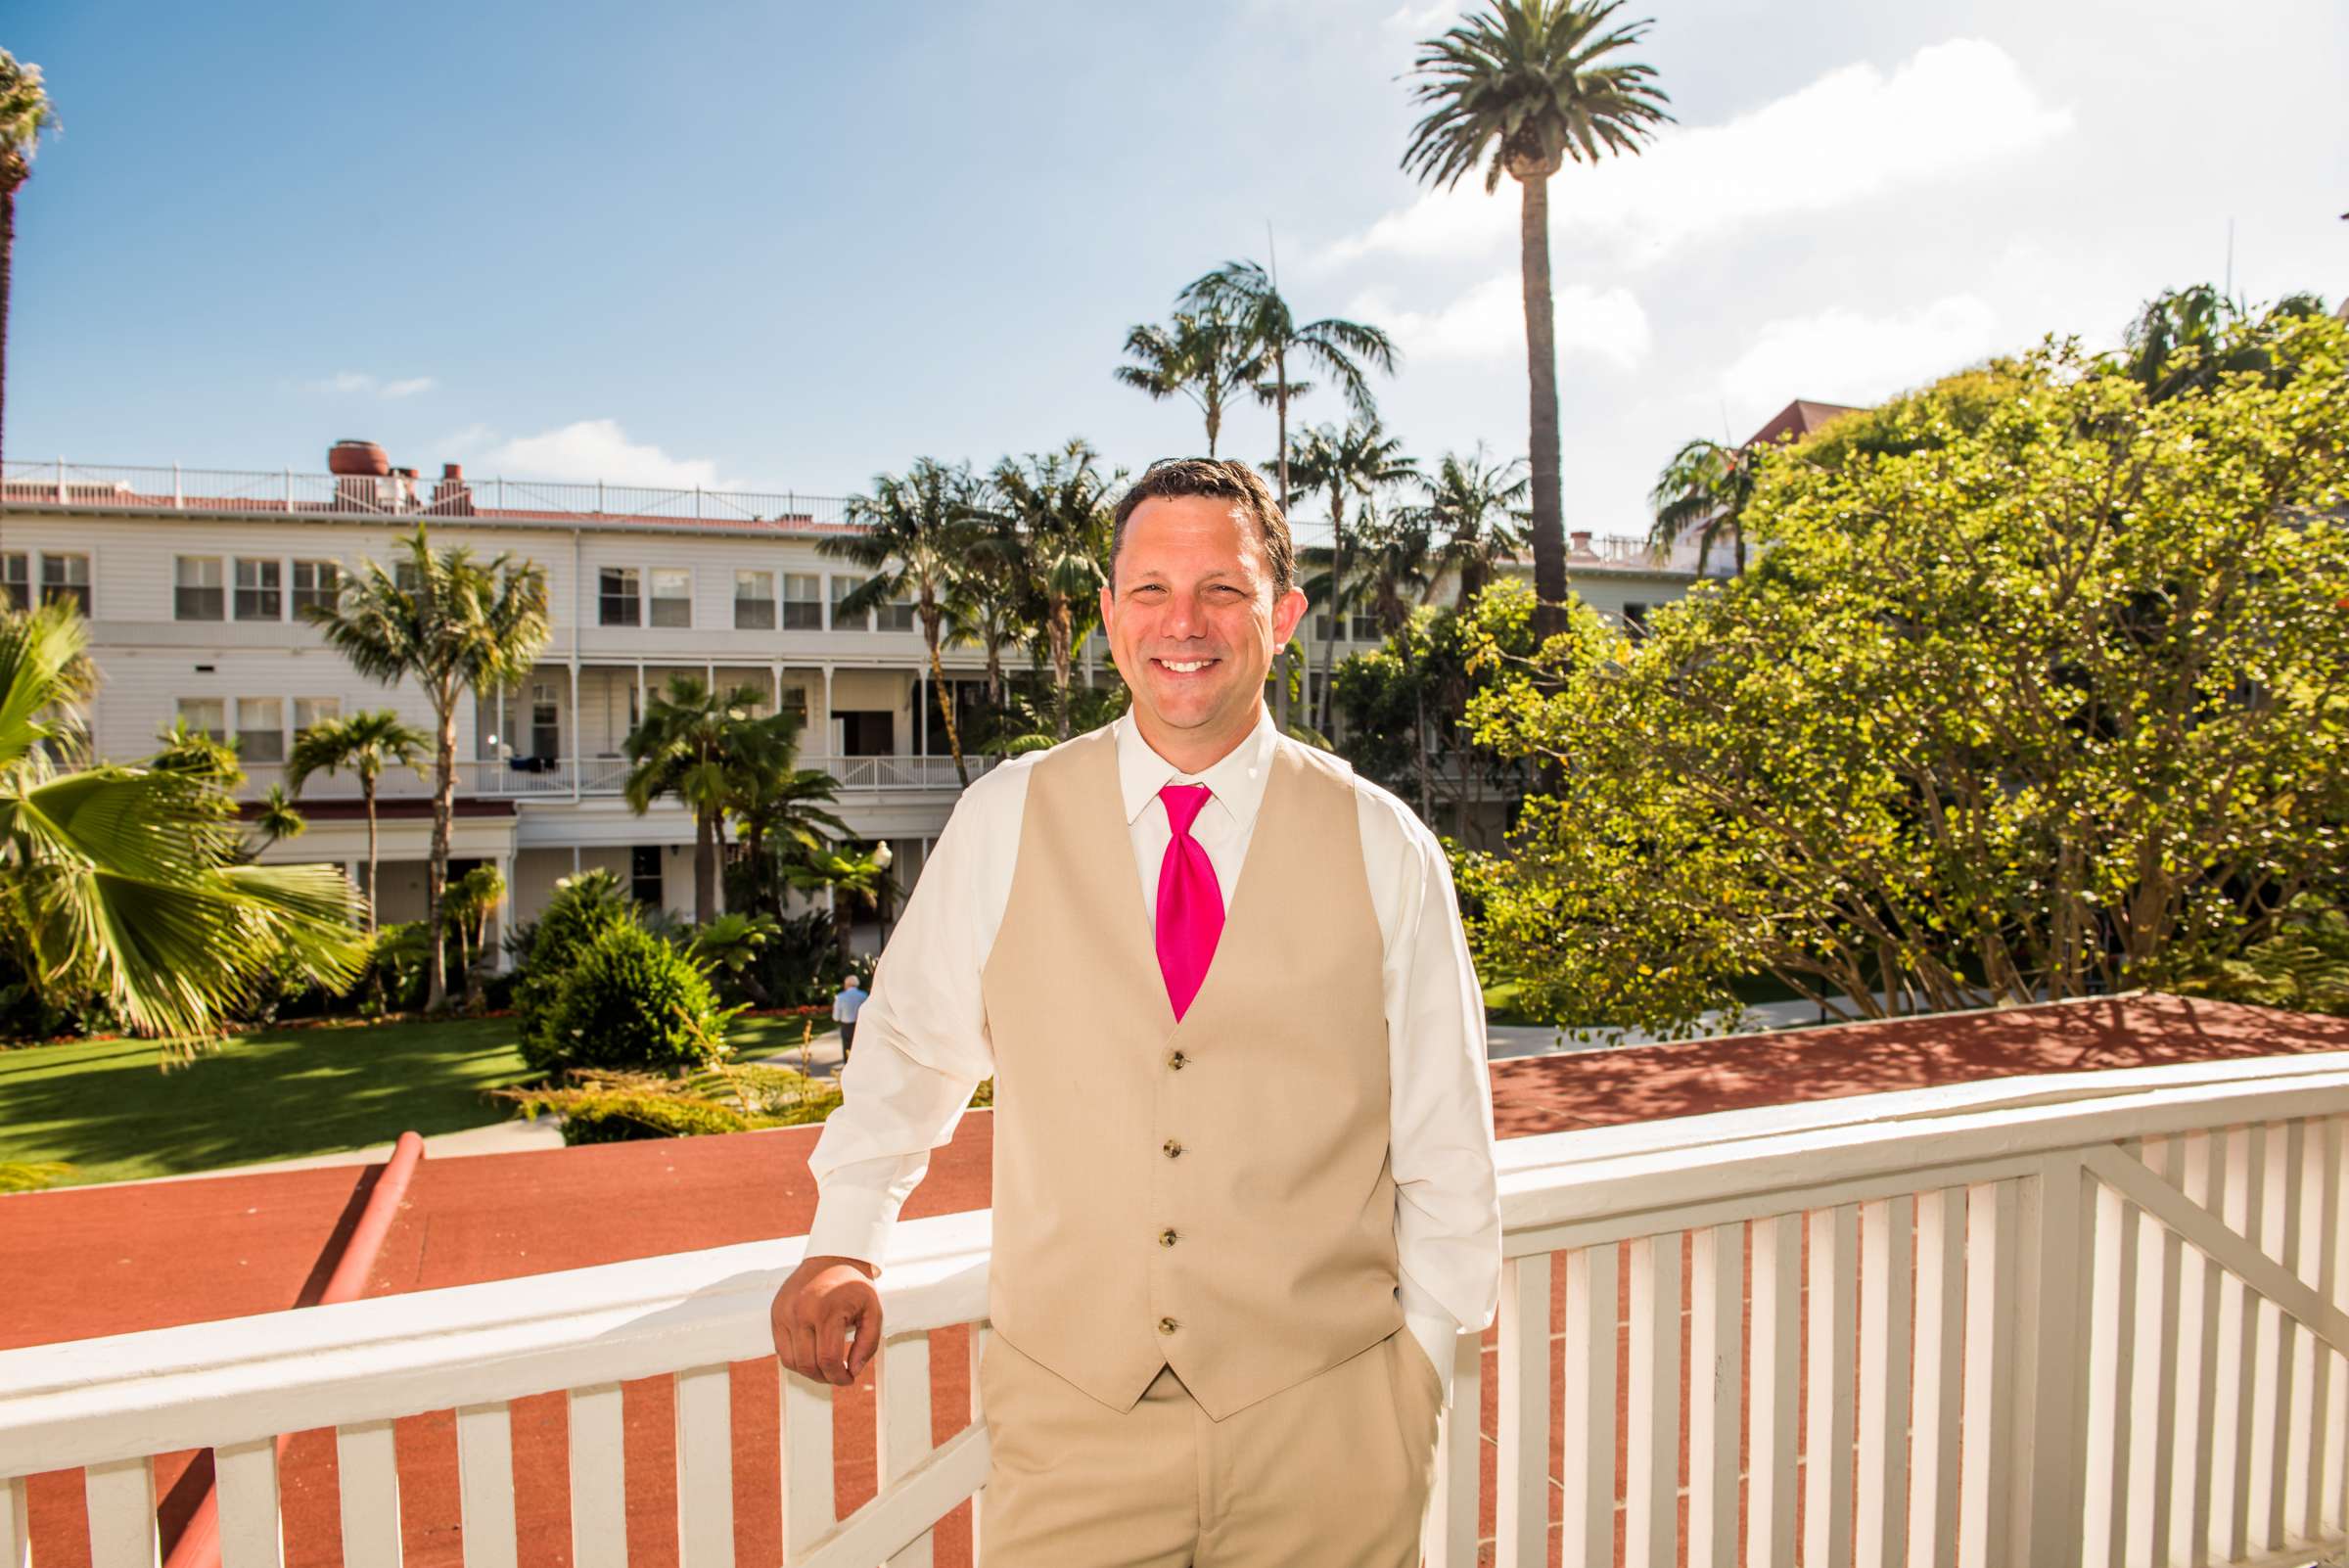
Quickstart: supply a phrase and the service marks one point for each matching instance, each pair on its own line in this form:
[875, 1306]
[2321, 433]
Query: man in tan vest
[1244, 1196]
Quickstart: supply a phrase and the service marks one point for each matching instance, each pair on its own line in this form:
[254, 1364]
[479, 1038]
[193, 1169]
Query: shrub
[583, 907]
[624, 1116]
[632, 1000]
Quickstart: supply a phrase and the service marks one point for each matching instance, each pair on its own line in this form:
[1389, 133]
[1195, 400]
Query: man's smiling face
[1192, 617]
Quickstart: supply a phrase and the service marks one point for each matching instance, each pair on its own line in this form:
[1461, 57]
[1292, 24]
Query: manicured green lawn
[105, 1108]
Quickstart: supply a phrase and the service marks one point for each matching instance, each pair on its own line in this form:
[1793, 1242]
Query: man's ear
[1287, 611]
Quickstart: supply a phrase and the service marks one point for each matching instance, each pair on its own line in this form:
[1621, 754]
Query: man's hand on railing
[823, 1299]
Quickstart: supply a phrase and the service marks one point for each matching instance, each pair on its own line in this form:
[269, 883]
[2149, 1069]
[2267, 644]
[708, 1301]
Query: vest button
[1173, 1147]
[1167, 1325]
[1177, 1061]
[1167, 1238]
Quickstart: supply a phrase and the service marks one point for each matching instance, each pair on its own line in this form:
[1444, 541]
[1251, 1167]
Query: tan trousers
[1333, 1472]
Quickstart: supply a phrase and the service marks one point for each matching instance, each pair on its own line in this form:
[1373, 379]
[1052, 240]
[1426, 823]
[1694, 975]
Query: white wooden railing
[2094, 1318]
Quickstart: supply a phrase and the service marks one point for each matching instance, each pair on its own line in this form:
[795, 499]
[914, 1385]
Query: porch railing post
[2054, 1340]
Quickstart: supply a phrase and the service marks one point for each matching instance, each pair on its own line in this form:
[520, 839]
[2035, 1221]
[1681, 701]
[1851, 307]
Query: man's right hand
[824, 1298]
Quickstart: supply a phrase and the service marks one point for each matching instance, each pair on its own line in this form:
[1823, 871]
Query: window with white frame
[205, 716]
[754, 601]
[803, 601]
[66, 579]
[897, 615]
[261, 730]
[197, 592]
[673, 596]
[311, 711]
[842, 587]
[616, 597]
[261, 592]
[317, 584]
[16, 580]
[405, 576]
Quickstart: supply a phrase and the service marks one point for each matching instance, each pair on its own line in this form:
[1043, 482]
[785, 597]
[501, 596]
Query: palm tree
[781, 811]
[995, 579]
[1398, 564]
[465, 624]
[684, 747]
[918, 533]
[1529, 81]
[129, 883]
[1706, 487]
[1357, 460]
[1060, 502]
[1474, 511]
[277, 819]
[472, 899]
[25, 113]
[365, 743]
[1201, 354]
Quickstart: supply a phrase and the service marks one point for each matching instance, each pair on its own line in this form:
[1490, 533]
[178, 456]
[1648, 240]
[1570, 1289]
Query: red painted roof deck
[110, 1260]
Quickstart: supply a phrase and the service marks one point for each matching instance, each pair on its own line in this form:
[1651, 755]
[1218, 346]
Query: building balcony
[2018, 1321]
[558, 779]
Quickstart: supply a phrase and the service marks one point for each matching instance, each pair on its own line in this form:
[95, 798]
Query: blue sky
[783, 247]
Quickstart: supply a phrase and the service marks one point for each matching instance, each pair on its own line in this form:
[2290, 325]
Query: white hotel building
[194, 582]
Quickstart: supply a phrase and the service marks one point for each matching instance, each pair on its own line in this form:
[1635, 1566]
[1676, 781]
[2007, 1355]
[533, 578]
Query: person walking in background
[1245, 1203]
[845, 1009]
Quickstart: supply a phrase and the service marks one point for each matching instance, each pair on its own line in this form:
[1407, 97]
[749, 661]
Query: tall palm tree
[1531, 82]
[129, 883]
[1398, 563]
[1204, 355]
[995, 581]
[278, 820]
[366, 744]
[465, 624]
[918, 533]
[686, 746]
[25, 113]
[1060, 502]
[1474, 512]
[1705, 487]
[1357, 460]
[781, 811]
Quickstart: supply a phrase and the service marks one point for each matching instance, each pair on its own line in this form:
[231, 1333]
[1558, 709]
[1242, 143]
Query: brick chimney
[1580, 540]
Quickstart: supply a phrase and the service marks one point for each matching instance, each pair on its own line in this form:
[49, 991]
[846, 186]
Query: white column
[921, 710]
[578, 759]
[506, 864]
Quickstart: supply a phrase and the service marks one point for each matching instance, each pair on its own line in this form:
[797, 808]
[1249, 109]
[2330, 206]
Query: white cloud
[1841, 357]
[1948, 108]
[1424, 18]
[1488, 324]
[351, 382]
[599, 449]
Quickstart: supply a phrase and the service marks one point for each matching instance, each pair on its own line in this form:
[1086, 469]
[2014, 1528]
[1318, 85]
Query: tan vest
[1213, 1194]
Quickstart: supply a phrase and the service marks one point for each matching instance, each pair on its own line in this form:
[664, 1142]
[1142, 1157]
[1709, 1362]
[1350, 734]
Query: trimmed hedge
[632, 1000]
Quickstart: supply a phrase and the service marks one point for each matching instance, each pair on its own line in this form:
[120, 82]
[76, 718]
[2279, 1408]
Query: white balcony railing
[601, 776]
[113, 486]
[2093, 1318]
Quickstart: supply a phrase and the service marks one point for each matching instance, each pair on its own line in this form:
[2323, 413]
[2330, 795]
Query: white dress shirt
[923, 1043]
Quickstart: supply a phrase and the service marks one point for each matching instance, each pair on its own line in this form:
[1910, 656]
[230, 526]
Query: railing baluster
[2325, 1216]
[1450, 1538]
[2338, 1295]
[1651, 1495]
[1715, 1393]
[246, 1474]
[809, 1506]
[2157, 1337]
[121, 1504]
[2279, 1332]
[599, 1497]
[2246, 1197]
[486, 1485]
[901, 1424]
[1886, 1230]
[363, 1454]
[2112, 1316]
[1834, 1269]
[2205, 1185]
[980, 1334]
[705, 1469]
[1587, 1452]
[1985, 1481]
[1777, 1315]
[16, 1535]
[1936, 1401]
[1521, 1496]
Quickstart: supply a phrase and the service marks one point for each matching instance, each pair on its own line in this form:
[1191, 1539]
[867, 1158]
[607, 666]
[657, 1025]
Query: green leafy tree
[365, 744]
[1343, 464]
[582, 908]
[688, 745]
[1474, 509]
[128, 883]
[633, 1001]
[1705, 487]
[1521, 87]
[916, 534]
[452, 624]
[25, 114]
[472, 899]
[731, 946]
[2186, 340]
[1201, 354]
[1058, 503]
[2040, 690]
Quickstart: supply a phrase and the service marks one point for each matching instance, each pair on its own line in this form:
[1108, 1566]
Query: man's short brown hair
[1218, 479]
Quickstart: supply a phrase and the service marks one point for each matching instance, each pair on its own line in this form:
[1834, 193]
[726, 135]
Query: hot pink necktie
[1191, 905]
